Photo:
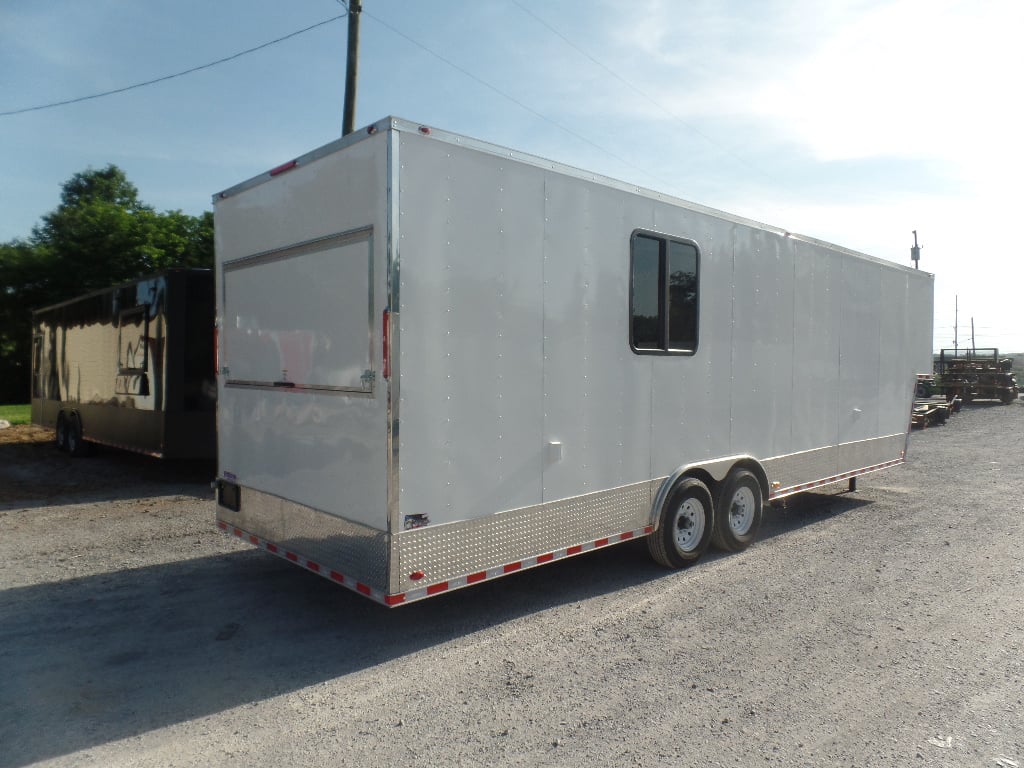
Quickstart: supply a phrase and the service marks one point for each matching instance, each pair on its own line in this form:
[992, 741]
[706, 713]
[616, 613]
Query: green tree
[101, 234]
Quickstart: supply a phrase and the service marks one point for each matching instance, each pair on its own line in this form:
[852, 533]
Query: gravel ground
[882, 628]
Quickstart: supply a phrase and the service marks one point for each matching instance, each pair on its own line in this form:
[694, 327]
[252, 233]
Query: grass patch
[16, 414]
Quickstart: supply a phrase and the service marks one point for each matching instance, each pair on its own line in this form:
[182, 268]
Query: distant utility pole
[355, 8]
[915, 251]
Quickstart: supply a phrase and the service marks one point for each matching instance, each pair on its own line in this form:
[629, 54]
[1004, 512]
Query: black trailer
[130, 367]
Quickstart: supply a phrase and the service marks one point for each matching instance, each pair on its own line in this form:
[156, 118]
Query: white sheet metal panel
[762, 341]
[896, 374]
[815, 392]
[596, 391]
[860, 307]
[326, 451]
[472, 332]
[689, 416]
[920, 311]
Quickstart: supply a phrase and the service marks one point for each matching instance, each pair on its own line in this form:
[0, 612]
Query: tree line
[101, 234]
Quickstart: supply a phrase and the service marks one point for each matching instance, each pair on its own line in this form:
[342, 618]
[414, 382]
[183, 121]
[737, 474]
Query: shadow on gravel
[37, 474]
[806, 509]
[92, 660]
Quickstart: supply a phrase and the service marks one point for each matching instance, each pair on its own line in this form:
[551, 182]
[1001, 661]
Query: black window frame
[664, 312]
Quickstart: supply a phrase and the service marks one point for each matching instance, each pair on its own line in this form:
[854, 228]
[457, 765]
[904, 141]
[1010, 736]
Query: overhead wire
[509, 97]
[518, 102]
[638, 90]
[164, 78]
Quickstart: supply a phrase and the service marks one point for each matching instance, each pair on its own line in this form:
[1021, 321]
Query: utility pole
[355, 8]
[915, 251]
[956, 321]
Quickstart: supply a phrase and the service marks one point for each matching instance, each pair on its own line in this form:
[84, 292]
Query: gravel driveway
[881, 628]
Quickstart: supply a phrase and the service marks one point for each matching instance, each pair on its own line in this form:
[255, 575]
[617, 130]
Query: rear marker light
[424, 130]
[417, 575]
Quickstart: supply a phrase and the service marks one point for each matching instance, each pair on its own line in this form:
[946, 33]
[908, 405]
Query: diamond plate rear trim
[445, 552]
[333, 542]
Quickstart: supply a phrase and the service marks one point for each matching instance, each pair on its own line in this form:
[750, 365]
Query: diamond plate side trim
[444, 552]
[810, 467]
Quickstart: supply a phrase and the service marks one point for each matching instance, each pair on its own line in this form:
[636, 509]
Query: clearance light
[417, 575]
[284, 167]
[424, 130]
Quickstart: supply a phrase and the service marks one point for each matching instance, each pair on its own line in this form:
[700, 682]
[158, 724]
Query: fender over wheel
[739, 511]
[685, 525]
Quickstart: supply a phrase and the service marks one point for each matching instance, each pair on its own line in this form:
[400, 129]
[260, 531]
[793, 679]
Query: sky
[851, 121]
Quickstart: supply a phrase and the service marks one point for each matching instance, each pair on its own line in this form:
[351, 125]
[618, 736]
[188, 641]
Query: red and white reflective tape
[309, 565]
[834, 479]
[429, 590]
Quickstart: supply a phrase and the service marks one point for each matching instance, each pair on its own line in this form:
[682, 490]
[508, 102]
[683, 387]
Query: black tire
[684, 526]
[76, 445]
[61, 432]
[739, 511]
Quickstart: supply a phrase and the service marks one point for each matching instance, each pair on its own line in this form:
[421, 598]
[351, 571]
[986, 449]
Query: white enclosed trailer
[442, 361]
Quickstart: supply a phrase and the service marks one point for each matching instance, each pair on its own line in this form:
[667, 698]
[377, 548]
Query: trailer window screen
[300, 318]
[663, 295]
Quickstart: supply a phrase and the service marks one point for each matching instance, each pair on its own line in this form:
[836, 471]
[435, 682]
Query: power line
[511, 98]
[638, 91]
[232, 57]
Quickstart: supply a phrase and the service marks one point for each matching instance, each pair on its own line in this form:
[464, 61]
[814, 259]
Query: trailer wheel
[76, 445]
[739, 511]
[61, 432]
[685, 525]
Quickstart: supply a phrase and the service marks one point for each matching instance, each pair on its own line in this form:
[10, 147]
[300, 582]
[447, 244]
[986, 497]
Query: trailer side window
[133, 346]
[663, 295]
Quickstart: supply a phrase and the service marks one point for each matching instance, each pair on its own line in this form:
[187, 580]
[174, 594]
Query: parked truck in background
[130, 366]
[443, 361]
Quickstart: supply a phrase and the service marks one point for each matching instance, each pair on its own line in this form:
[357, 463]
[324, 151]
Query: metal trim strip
[347, 237]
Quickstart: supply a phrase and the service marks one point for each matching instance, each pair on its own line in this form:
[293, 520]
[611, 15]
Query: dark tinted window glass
[682, 296]
[646, 325]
